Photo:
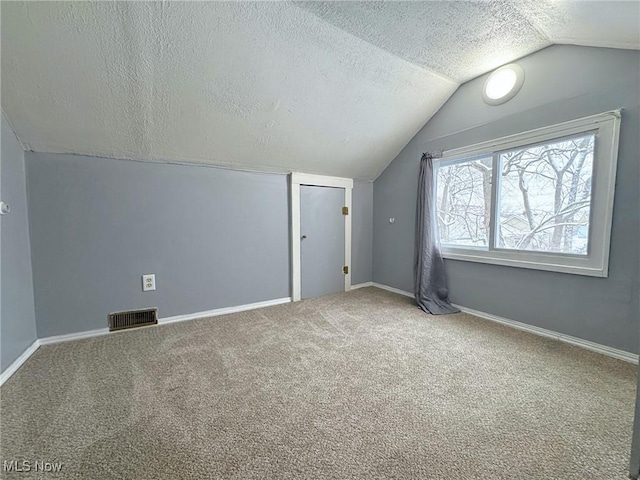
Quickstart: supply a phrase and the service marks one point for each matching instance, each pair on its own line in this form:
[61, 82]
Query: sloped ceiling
[335, 88]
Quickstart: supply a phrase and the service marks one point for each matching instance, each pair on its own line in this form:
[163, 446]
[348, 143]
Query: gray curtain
[431, 291]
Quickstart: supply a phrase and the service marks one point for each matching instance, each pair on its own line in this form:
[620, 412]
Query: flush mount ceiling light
[503, 84]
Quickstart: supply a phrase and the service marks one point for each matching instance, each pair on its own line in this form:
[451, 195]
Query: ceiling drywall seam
[596, 44]
[605, 24]
[22, 145]
[531, 23]
[422, 67]
[426, 69]
[446, 37]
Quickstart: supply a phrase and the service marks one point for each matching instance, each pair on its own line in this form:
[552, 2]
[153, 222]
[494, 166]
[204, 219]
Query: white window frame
[606, 127]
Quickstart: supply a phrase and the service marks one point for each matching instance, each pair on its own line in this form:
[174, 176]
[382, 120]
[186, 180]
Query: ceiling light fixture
[503, 84]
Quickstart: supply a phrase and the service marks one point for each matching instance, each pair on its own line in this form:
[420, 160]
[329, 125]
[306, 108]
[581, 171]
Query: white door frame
[298, 179]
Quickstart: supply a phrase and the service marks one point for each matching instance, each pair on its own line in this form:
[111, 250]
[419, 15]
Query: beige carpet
[354, 385]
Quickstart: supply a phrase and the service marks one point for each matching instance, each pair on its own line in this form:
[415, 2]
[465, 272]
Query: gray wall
[17, 324]
[214, 238]
[362, 233]
[562, 83]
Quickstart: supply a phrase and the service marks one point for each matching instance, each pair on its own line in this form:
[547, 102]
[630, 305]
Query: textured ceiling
[612, 24]
[465, 39]
[458, 39]
[320, 87]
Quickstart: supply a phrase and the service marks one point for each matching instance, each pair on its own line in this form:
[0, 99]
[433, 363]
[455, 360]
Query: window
[544, 197]
[541, 199]
[464, 202]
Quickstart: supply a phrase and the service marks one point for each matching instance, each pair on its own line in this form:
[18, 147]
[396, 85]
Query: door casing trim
[296, 180]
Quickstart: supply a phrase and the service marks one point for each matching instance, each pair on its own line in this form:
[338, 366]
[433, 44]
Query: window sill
[535, 261]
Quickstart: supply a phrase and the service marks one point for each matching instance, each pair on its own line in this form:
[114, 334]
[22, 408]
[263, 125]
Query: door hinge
[345, 270]
[345, 210]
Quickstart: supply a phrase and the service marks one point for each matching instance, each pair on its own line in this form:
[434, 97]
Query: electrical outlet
[148, 282]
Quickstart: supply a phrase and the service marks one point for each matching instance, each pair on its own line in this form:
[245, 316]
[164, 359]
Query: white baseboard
[104, 331]
[17, 363]
[73, 336]
[579, 342]
[223, 311]
[595, 347]
[361, 285]
[394, 290]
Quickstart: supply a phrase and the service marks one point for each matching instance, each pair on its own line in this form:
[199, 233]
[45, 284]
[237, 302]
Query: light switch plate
[148, 282]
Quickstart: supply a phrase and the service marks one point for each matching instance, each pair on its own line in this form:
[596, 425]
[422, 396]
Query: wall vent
[133, 318]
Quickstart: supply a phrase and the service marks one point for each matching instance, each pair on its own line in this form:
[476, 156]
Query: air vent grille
[132, 318]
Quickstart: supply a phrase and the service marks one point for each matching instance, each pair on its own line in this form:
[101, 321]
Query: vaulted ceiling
[335, 88]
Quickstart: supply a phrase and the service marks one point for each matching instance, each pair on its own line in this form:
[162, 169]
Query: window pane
[464, 199]
[544, 197]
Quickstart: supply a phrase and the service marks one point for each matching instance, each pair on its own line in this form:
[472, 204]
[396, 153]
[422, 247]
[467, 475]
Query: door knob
[303, 237]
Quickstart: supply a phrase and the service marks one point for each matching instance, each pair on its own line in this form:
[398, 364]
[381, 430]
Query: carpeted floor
[354, 385]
